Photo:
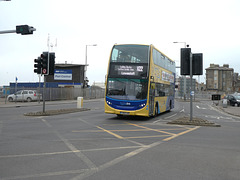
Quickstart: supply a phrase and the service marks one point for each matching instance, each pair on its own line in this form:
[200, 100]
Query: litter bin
[79, 102]
[216, 98]
[224, 103]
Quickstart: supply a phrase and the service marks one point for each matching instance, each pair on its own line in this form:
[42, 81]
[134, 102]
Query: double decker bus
[140, 81]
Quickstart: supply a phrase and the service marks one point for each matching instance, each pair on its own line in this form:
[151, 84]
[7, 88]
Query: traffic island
[195, 122]
[56, 112]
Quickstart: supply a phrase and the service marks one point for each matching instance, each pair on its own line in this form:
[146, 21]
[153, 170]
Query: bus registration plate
[124, 113]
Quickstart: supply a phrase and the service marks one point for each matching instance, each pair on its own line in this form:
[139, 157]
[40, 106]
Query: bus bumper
[140, 112]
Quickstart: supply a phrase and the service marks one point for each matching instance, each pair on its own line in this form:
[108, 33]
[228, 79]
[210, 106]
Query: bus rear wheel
[156, 110]
[170, 106]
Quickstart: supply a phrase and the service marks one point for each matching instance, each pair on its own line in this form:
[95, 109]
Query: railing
[61, 93]
[199, 95]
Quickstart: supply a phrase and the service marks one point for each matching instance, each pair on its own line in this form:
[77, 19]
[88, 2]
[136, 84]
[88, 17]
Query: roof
[217, 67]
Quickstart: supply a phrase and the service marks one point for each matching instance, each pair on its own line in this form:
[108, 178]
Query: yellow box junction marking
[116, 135]
[143, 128]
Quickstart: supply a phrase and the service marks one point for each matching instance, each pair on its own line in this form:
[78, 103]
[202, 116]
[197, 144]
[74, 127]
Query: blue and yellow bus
[140, 81]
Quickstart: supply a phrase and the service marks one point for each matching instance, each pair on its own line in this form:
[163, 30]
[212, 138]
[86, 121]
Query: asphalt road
[94, 145]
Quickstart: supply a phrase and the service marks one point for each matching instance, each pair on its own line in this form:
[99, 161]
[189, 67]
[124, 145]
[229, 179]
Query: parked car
[233, 100]
[24, 95]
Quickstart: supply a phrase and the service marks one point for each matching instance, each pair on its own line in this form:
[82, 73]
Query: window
[162, 90]
[25, 92]
[128, 89]
[160, 60]
[130, 53]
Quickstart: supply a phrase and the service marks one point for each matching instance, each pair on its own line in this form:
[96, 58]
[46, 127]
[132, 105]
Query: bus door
[151, 98]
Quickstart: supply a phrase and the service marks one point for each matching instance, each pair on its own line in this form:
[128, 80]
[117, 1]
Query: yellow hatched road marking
[150, 129]
[179, 134]
[125, 130]
[116, 135]
[172, 135]
[136, 137]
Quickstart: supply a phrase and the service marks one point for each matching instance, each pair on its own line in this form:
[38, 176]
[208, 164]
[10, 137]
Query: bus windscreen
[130, 54]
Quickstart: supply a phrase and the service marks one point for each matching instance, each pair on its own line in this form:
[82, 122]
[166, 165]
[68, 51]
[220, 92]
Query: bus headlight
[109, 103]
[142, 105]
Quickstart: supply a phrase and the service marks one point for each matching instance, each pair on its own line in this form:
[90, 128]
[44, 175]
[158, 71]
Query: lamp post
[184, 77]
[85, 68]
[185, 44]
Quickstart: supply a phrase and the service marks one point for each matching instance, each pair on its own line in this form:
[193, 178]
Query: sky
[210, 27]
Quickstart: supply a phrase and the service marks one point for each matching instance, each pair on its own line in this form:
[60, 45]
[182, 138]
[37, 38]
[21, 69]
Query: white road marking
[84, 158]
[182, 110]
[200, 107]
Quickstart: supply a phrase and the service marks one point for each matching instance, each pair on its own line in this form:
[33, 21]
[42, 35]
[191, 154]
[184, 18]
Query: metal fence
[93, 92]
[200, 95]
[62, 93]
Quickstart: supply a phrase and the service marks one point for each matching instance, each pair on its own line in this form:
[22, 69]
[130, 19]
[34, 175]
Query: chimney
[226, 65]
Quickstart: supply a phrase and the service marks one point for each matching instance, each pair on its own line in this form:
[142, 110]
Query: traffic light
[185, 61]
[24, 29]
[51, 63]
[45, 63]
[38, 65]
[197, 60]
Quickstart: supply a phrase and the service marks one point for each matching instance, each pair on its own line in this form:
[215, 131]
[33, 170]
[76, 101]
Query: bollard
[79, 102]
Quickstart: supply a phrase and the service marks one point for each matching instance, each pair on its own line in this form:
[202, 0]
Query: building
[219, 78]
[67, 75]
[180, 85]
[236, 82]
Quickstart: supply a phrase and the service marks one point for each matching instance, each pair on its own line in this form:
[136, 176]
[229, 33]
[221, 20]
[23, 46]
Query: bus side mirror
[152, 78]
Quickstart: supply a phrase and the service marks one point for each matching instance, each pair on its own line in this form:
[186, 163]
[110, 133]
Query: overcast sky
[210, 27]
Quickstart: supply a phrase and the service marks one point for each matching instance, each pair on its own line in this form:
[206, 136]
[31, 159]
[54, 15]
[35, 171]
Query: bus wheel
[170, 106]
[156, 110]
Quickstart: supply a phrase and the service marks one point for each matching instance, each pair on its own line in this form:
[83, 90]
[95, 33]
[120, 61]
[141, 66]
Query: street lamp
[85, 68]
[86, 52]
[185, 44]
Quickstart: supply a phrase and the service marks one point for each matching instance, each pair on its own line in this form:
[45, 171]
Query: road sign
[44, 71]
[192, 93]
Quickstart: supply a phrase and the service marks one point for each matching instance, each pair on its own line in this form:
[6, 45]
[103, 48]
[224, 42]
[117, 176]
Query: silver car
[24, 95]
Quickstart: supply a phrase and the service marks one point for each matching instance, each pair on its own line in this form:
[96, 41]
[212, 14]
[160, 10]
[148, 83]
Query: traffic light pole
[44, 93]
[191, 90]
[45, 77]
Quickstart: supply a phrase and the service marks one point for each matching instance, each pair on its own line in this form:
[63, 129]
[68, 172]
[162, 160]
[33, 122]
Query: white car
[24, 95]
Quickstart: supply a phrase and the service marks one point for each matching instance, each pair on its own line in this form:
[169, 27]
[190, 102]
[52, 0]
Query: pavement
[6, 104]
[233, 110]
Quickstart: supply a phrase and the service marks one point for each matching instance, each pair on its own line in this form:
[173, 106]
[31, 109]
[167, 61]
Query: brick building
[219, 78]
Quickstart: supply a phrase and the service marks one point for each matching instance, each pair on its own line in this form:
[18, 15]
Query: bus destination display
[137, 70]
